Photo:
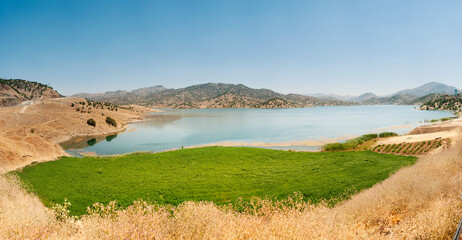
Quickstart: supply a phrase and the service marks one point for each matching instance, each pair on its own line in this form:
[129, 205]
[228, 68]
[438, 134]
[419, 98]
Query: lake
[295, 128]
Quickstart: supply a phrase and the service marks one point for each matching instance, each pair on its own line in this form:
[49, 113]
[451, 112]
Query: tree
[91, 122]
[111, 121]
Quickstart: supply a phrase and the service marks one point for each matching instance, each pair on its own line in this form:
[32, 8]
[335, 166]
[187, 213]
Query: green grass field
[219, 174]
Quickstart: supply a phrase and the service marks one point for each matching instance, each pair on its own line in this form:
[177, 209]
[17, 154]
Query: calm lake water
[273, 128]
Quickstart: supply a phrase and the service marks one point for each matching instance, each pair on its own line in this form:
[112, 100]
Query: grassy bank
[219, 174]
[354, 143]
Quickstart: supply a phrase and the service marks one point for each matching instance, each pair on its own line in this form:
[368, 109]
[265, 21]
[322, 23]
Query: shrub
[387, 134]
[111, 121]
[334, 147]
[349, 144]
[91, 122]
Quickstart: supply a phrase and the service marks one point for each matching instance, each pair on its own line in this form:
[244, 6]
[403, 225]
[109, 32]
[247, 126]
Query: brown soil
[431, 129]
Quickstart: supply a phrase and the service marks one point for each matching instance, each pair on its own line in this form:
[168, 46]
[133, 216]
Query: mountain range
[412, 96]
[211, 95]
[222, 95]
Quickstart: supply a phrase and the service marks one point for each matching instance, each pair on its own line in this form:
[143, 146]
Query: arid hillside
[32, 131]
[445, 102]
[14, 91]
[8, 96]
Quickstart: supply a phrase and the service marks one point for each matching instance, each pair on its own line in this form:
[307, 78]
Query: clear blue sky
[344, 47]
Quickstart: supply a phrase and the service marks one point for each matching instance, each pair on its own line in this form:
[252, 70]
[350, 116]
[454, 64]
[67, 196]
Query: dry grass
[418, 202]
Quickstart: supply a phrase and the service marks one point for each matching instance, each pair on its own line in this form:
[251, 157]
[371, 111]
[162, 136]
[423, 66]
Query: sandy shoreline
[308, 143]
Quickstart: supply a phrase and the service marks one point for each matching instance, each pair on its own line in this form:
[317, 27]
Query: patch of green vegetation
[443, 119]
[349, 144]
[387, 134]
[353, 144]
[111, 121]
[447, 118]
[91, 122]
[219, 174]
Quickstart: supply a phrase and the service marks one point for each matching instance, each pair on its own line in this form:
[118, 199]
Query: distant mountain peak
[364, 97]
[428, 88]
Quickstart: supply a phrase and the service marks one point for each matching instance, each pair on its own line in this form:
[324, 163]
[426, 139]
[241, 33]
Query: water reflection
[85, 141]
[160, 120]
[111, 137]
[91, 142]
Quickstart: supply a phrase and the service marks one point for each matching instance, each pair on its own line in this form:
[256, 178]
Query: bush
[334, 147]
[91, 122]
[349, 144]
[355, 142]
[387, 134]
[111, 121]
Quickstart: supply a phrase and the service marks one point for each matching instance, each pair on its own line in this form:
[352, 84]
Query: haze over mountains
[408, 96]
[221, 95]
[212, 95]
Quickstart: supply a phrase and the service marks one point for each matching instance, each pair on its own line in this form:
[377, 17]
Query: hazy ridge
[214, 95]
[222, 95]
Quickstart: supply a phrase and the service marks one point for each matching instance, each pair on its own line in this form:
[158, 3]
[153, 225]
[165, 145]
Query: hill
[14, 91]
[364, 97]
[331, 96]
[402, 99]
[214, 95]
[429, 88]
[414, 96]
[445, 102]
[122, 97]
[31, 132]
